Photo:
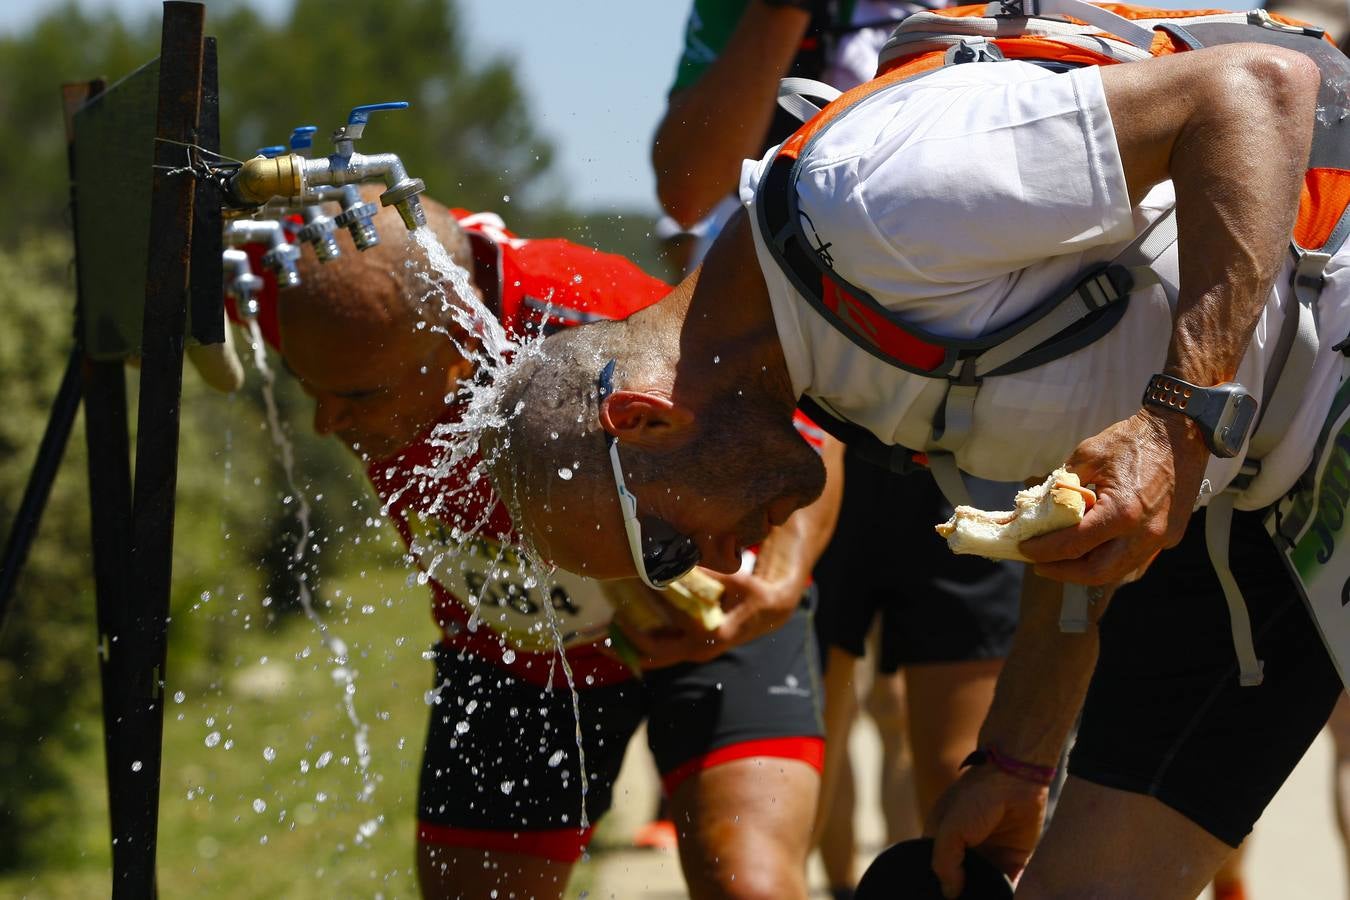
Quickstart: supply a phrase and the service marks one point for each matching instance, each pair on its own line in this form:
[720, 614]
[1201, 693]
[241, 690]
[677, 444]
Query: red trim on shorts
[557, 844]
[810, 750]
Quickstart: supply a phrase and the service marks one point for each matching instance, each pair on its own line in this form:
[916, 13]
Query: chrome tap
[295, 178]
[240, 282]
[319, 228]
[281, 255]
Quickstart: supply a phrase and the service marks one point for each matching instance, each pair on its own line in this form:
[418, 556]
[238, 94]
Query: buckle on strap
[1106, 287]
[1310, 275]
[973, 49]
[956, 415]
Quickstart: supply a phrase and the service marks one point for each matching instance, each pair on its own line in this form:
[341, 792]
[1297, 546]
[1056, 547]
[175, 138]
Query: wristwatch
[1224, 412]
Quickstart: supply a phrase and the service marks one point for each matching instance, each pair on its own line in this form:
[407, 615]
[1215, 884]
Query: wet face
[725, 488]
[376, 379]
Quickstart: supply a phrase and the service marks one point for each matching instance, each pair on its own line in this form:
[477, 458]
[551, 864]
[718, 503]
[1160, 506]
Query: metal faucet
[240, 282]
[293, 177]
[281, 255]
[319, 228]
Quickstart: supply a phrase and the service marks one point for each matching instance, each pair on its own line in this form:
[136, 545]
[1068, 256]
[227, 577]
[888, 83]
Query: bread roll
[1059, 502]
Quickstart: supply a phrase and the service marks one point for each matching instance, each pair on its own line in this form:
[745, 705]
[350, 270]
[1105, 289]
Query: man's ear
[647, 420]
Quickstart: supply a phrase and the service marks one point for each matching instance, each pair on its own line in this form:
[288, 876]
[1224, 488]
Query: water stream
[343, 672]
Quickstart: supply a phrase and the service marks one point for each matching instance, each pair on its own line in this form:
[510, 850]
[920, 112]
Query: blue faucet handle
[302, 138]
[360, 116]
[271, 152]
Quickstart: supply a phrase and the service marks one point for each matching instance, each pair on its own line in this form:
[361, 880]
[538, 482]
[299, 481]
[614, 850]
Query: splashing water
[343, 673]
[462, 303]
[492, 351]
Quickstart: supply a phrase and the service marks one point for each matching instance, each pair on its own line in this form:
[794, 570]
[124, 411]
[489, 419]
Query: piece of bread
[1059, 502]
[699, 596]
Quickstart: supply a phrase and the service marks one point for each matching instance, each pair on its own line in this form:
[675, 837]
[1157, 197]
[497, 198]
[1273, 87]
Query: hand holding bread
[1059, 502]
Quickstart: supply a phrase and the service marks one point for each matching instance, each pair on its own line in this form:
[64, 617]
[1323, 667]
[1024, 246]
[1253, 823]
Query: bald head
[370, 334]
[388, 283]
[720, 467]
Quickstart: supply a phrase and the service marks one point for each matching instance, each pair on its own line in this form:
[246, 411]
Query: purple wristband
[1042, 775]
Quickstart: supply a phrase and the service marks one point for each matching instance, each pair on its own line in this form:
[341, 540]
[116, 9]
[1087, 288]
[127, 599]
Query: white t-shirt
[963, 199]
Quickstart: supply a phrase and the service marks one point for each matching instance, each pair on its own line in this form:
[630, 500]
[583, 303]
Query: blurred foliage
[469, 135]
[230, 503]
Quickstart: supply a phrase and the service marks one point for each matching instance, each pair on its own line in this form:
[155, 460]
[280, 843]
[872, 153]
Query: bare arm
[715, 123]
[1038, 696]
[1231, 126]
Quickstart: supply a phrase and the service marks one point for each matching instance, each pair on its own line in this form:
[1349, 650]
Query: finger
[1108, 519]
[949, 850]
[1107, 564]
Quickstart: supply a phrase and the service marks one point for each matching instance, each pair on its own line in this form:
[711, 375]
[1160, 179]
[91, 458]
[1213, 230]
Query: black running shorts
[500, 768]
[885, 559]
[1165, 715]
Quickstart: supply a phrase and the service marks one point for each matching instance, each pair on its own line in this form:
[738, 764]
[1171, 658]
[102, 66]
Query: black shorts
[500, 768]
[1165, 715]
[885, 558]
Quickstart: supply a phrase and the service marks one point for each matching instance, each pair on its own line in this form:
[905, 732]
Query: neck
[722, 322]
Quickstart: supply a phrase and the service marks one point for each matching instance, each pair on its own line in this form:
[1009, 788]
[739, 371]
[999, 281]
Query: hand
[754, 605]
[995, 813]
[1147, 471]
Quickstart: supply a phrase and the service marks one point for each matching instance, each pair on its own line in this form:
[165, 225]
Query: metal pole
[167, 286]
[39, 488]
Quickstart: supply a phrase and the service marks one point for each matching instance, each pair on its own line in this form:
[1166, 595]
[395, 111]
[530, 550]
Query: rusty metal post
[152, 516]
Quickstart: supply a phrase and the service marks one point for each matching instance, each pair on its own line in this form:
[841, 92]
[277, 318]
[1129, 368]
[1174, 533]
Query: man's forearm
[1044, 678]
[1231, 127]
[722, 119]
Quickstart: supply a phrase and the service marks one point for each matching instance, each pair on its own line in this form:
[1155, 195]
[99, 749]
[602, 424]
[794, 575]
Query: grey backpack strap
[948, 478]
[795, 94]
[1218, 524]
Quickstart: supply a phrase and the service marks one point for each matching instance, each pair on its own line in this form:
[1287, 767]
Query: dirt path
[1294, 853]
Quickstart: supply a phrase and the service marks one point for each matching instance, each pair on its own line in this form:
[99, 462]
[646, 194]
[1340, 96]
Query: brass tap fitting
[260, 179]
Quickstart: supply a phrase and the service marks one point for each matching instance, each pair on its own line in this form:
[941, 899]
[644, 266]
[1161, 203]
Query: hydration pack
[1061, 35]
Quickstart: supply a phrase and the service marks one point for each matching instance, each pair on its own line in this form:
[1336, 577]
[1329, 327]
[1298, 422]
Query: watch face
[1231, 431]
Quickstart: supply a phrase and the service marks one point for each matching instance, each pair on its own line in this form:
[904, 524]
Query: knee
[757, 877]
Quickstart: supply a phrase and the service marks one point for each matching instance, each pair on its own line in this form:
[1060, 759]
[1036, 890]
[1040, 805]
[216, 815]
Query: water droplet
[565, 473]
[179, 697]
[259, 805]
[213, 738]
[461, 727]
[508, 656]
[508, 786]
[269, 753]
[324, 759]
[136, 766]
[556, 758]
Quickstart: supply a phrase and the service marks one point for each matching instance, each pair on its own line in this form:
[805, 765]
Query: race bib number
[497, 587]
[1309, 528]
